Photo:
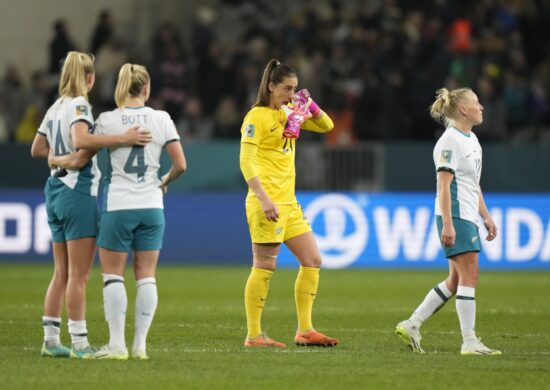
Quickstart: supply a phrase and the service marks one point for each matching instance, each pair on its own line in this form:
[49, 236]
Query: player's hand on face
[270, 210]
[491, 229]
[300, 113]
[304, 98]
[137, 136]
[448, 235]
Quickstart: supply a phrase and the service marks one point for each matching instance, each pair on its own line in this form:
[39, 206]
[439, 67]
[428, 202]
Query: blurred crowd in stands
[373, 65]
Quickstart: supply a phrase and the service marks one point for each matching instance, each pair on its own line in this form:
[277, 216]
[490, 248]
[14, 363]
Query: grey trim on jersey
[172, 140]
[90, 124]
[446, 169]
[42, 134]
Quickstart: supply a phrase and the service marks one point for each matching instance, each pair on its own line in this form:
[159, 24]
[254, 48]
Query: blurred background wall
[372, 65]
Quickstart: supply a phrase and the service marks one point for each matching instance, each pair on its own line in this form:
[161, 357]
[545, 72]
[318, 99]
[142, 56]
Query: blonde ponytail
[73, 75]
[444, 109]
[131, 80]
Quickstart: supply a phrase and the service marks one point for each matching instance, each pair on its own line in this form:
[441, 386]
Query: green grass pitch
[197, 336]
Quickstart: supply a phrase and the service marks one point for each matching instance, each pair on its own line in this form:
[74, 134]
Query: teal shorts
[467, 237]
[71, 214]
[139, 229]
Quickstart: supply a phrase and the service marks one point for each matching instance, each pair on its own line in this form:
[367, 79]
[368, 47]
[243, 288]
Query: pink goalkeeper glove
[304, 97]
[295, 119]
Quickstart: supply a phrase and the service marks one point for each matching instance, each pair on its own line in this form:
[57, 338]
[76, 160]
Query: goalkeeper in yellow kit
[268, 145]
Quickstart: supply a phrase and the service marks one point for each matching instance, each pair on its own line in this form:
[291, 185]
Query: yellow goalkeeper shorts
[292, 222]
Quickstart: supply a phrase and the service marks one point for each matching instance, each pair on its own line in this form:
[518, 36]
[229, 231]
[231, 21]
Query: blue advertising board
[382, 230]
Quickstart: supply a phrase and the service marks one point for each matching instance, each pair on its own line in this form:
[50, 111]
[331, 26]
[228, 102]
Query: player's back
[132, 181]
[56, 126]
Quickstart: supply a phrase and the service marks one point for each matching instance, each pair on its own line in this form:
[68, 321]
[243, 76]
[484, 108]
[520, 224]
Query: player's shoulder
[80, 100]
[56, 106]
[450, 135]
[258, 115]
[107, 116]
[157, 114]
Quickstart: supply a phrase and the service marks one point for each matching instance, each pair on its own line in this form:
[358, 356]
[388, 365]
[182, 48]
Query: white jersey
[461, 155]
[132, 180]
[56, 126]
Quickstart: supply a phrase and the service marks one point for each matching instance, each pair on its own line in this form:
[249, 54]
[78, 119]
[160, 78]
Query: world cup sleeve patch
[81, 110]
[249, 130]
[445, 157]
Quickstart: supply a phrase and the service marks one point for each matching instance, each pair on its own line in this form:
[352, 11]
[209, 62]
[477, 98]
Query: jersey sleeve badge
[445, 157]
[81, 110]
[249, 130]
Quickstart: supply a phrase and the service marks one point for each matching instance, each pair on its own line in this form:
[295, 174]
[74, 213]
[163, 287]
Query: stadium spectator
[60, 45]
[13, 94]
[170, 70]
[459, 203]
[4, 129]
[392, 50]
[268, 143]
[112, 55]
[193, 123]
[71, 201]
[103, 32]
[226, 118]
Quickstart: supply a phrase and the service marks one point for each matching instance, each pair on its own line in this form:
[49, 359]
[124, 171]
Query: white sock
[52, 330]
[435, 300]
[466, 310]
[79, 334]
[146, 304]
[115, 302]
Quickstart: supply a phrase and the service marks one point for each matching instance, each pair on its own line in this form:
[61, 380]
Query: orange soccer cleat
[263, 340]
[314, 338]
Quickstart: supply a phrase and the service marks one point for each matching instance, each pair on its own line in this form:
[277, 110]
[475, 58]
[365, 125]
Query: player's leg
[115, 241]
[468, 270]
[266, 237]
[55, 294]
[304, 247]
[255, 293]
[145, 265]
[53, 304]
[409, 330]
[80, 222]
[147, 242]
[81, 254]
[115, 303]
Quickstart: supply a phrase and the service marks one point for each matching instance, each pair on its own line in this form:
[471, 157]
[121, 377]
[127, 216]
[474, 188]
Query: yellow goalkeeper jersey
[273, 161]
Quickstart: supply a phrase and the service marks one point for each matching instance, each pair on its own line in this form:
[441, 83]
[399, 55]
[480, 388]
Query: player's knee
[79, 276]
[264, 261]
[312, 261]
[469, 278]
[60, 274]
[452, 282]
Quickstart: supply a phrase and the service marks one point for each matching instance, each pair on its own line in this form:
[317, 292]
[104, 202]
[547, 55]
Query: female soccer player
[71, 203]
[459, 202]
[268, 144]
[133, 217]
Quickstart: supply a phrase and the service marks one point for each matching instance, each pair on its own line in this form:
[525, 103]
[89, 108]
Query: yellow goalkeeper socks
[255, 295]
[305, 290]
